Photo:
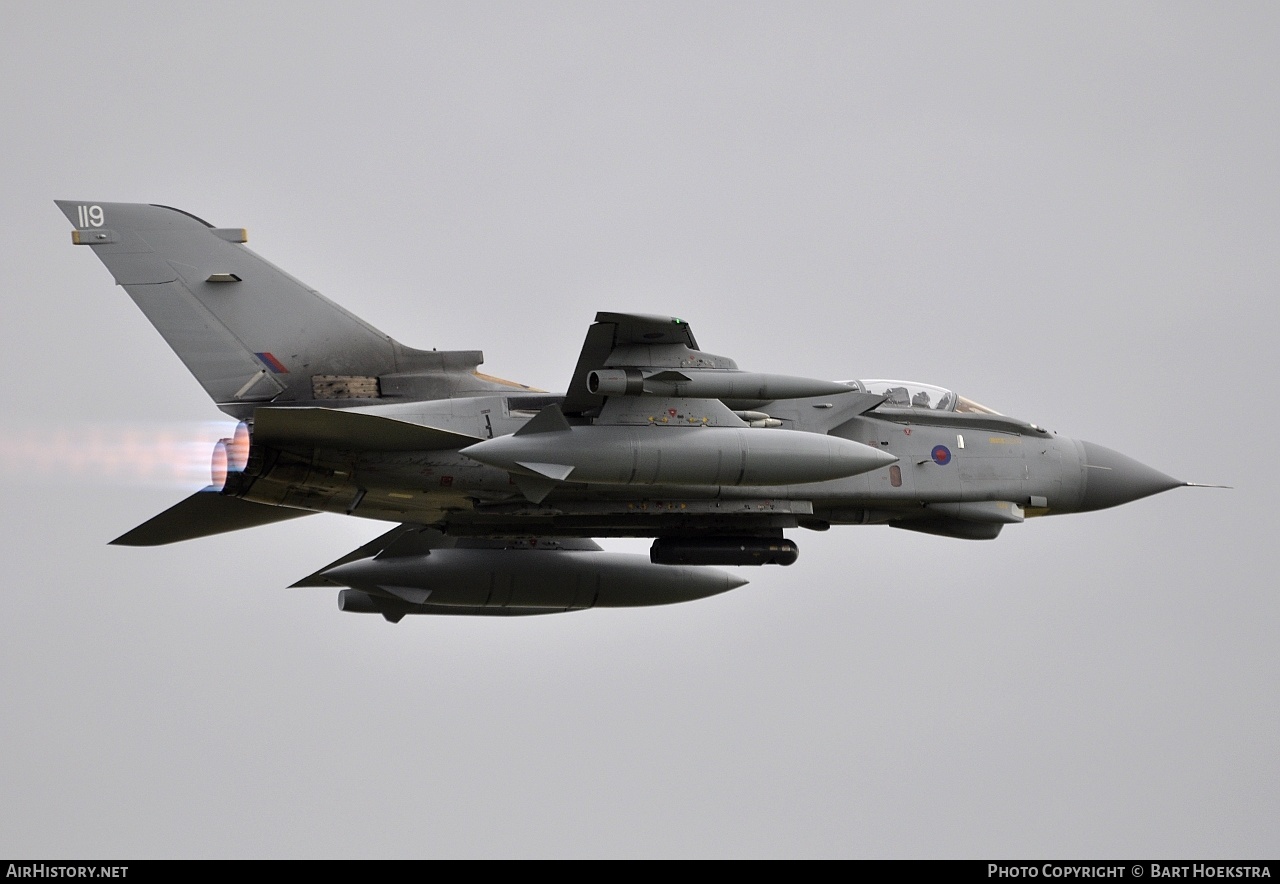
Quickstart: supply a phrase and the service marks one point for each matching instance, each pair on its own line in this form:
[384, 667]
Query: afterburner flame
[114, 454]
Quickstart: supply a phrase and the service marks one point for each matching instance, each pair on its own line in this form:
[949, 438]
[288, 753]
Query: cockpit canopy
[912, 394]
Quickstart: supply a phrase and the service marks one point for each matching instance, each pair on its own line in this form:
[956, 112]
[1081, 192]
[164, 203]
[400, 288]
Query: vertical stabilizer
[248, 331]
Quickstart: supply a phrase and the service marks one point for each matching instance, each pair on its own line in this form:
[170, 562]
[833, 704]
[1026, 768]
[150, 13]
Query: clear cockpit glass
[913, 394]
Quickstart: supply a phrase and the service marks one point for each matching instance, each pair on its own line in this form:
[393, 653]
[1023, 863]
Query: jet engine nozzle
[229, 456]
[238, 448]
[218, 465]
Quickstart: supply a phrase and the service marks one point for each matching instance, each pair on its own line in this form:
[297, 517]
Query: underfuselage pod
[625, 455]
[532, 580]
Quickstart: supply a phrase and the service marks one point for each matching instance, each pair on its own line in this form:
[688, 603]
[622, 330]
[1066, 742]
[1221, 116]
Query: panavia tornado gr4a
[496, 489]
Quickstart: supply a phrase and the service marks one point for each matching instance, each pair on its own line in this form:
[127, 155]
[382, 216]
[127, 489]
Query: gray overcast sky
[1069, 212]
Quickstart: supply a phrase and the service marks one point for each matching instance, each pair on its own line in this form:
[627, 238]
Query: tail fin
[248, 331]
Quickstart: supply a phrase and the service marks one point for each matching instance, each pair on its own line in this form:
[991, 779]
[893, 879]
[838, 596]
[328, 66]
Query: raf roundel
[941, 455]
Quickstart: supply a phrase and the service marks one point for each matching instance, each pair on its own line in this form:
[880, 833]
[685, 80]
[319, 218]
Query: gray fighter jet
[496, 488]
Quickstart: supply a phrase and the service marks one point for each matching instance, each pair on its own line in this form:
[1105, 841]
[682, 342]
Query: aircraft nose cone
[1111, 478]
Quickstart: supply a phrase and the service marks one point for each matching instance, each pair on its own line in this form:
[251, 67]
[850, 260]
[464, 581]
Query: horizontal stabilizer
[348, 429]
[204, 514]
